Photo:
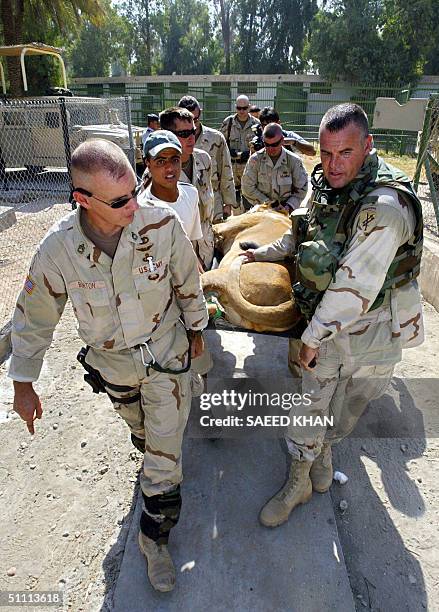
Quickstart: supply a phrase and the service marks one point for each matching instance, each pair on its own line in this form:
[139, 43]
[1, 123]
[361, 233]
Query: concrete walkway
[236, 564]
[233, 563]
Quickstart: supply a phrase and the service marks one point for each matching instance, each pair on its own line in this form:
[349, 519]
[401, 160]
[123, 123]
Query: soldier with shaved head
[237, 130]
[131, 275]
[358, 255]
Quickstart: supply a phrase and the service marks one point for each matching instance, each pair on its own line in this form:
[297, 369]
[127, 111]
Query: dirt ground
[18, 244]
[66, 494]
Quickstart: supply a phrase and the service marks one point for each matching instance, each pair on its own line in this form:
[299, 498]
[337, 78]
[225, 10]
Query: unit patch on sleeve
[367, 219]
[29, 285]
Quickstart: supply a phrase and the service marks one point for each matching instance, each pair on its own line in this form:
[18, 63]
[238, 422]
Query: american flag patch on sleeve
[29, 285]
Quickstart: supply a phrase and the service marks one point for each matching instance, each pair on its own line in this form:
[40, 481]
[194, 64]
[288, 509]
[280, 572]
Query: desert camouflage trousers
[156, 412]
[337, 388]
[205, 245]
[158, 415]
[241, 203]
[218, 214]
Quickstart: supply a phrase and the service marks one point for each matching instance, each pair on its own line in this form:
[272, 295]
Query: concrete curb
[7, 217]
[429, 276]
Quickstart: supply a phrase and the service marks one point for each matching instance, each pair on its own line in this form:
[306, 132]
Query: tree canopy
[371, 40]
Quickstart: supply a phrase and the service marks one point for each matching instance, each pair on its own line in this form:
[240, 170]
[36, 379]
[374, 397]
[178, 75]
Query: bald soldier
[238, 133]
[358, 255]
[131, 275]
[214, 143]
[274, 175]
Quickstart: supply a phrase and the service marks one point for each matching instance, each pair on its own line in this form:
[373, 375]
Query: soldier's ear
[369, 143]
[80, 199]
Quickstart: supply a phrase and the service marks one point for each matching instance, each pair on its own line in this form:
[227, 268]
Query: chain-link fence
[426, 177]
[37, 137]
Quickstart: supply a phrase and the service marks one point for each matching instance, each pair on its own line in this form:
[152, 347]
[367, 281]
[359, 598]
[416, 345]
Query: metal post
[66, 138]
[425, 137]
[132, 151]
[429, 161]
[2, 73]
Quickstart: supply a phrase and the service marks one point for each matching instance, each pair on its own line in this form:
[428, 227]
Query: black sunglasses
[242, 107]
[185, 133]
[273, 144]
[119, 203]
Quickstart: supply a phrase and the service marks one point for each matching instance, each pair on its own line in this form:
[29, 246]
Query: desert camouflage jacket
[202, 180]
[214, 143]
[384, 221]
[119, 303]
[240, 136]
[285, 181]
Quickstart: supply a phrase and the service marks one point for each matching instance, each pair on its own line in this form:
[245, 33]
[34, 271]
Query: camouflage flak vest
[329, 226]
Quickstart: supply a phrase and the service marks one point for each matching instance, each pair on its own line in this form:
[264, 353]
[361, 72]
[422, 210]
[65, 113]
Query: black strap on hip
[124, 400]
[94, 378]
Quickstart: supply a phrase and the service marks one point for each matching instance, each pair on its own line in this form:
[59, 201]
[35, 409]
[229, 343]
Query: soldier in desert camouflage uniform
[275, 175]
[197, 170]
[237, 130]
[214, 143]
[357, 260]
[130, 273]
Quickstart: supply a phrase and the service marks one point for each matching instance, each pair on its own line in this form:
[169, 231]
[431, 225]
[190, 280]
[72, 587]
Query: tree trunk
[225, 30]
[148, 37]
[12, 13]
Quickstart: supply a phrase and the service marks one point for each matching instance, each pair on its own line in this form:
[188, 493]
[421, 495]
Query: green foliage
[186, 36]
[47, 21]
[179, 34]
[352, 40]
[270, 35]
[42, 71]
[368, 40]
[97, 47]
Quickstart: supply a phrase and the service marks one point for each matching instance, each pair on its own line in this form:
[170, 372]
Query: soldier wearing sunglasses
[274, 175]
[196, 169]
[131, 274]
[238, 133]
[214, 143]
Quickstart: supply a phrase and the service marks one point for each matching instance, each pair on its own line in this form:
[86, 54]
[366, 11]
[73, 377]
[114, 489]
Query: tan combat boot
[321, 470]
[296, 490]
[161, 571]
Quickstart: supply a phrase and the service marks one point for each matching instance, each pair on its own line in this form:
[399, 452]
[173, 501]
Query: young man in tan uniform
[197, 170]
